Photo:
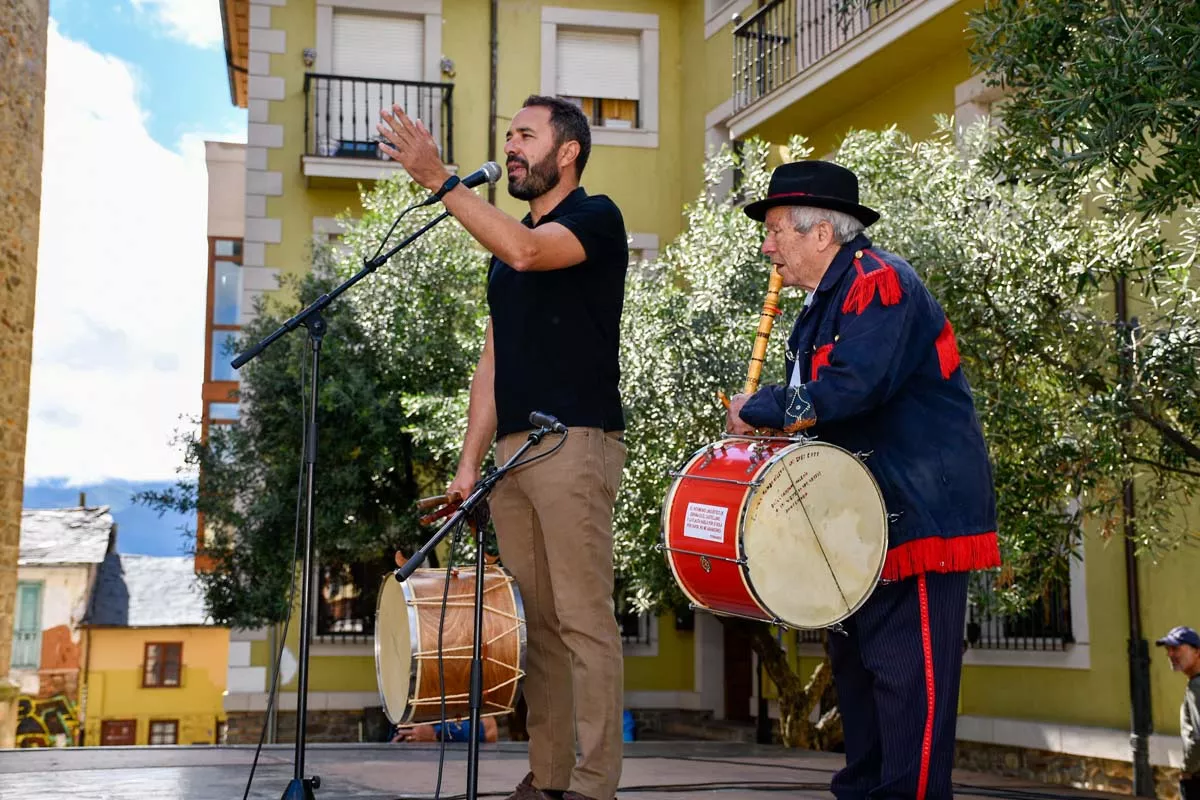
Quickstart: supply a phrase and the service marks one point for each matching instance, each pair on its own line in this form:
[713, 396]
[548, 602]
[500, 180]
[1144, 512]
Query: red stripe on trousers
[930, 705]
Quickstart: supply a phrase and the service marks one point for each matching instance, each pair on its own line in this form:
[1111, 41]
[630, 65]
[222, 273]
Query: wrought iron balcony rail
[786, 37]
[341, 113]
[1045, 626]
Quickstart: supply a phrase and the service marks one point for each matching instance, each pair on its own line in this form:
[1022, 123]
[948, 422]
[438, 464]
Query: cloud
[197, 22]
[119, 324]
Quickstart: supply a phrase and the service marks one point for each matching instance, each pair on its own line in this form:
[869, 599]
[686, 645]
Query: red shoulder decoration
[947, 351]
[862, 291]
[821, 358]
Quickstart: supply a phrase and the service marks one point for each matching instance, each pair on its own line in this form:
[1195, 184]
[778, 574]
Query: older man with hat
[872, 366]
[1183, 649]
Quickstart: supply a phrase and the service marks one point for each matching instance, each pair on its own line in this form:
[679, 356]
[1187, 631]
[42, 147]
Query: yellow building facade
[699, 74]
[155, 667]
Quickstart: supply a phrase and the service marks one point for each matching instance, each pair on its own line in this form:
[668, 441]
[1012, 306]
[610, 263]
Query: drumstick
[430, 502]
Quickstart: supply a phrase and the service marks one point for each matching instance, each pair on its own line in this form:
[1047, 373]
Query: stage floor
[652, 771]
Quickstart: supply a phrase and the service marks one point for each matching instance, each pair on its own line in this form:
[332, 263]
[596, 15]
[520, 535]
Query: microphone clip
[449, 185]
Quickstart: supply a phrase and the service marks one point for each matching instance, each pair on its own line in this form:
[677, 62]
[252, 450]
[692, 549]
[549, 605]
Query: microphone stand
[301, 788]
[468, 507]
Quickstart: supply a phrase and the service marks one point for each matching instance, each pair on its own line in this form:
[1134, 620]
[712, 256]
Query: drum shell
[406, 645]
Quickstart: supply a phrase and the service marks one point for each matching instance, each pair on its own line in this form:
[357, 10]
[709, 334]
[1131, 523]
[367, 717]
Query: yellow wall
[649, 204]
[672, 670]
[113, 688]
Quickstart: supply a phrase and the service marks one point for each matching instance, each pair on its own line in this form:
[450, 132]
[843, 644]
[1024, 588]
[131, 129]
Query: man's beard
[539, 178]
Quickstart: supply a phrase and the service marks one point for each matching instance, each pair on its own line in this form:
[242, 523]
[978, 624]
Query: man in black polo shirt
[556, 287]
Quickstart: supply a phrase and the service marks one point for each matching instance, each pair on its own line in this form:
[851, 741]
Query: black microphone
[488, 173]
[540, 420]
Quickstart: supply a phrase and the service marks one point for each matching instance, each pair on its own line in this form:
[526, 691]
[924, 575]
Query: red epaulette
[821, 358]
[947, 351]
[862, 291]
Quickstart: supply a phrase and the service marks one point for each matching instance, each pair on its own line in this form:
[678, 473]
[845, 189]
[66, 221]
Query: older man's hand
[733, 421]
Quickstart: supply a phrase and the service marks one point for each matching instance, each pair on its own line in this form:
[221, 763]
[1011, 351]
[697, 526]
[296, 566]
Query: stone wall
[1064, 769]
[22, 108]
[244, 727]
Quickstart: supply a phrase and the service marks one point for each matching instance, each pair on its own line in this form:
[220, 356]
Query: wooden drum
[406, 644]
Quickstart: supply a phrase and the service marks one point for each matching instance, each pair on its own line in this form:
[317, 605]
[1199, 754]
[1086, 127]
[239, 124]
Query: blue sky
[133, 90]
[179, 60]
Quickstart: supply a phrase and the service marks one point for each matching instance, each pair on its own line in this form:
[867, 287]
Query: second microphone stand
[467, 510]
[301, 788]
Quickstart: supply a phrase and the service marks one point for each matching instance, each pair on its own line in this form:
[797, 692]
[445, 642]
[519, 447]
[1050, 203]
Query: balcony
[790, 51]
[341, 145]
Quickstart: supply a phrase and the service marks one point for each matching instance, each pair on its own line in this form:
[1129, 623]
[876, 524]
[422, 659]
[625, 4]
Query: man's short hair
[845, 227]
[570, 125]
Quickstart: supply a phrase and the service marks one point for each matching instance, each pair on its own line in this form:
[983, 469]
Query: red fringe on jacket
[947, 351]
[935, 554]
[862, 291]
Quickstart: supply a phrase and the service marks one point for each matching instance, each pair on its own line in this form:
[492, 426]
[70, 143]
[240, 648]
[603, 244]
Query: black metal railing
[1044, 625]
[346, 601]
[786, 37]
[635, 627]
[341, 113]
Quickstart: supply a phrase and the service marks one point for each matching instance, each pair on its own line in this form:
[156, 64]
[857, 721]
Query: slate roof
[66, 535]
[147, 592]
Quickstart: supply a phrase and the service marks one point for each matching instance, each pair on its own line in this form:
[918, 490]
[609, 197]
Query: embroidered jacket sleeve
[874, 352]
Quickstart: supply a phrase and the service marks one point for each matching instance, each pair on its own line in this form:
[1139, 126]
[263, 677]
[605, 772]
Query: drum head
[395, 668]
[815, 535]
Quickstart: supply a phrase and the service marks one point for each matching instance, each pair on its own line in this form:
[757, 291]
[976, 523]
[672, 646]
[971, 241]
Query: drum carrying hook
[863, 455]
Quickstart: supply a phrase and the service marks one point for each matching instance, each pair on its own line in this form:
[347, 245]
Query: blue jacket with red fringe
[874, 368]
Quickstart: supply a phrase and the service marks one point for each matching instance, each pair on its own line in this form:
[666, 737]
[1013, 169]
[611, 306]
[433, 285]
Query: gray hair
[845, 227]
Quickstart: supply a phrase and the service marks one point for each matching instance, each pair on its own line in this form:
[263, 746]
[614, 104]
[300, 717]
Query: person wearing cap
[873, 367]
[1183, 648]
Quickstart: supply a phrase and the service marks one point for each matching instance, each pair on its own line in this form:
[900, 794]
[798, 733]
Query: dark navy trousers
[897, 672]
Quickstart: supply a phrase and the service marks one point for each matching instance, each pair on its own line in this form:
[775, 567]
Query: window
[118, 732]
[600, 72]
[27, 633]
[224, 348]
[164, 731]
[222, 412]
[605, 62]
[164, 664]
[225, 248]
[347, 597]
[1045, 625]
[227, 293]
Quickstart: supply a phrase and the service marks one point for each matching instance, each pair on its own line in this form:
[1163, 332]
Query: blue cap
[1181, 635]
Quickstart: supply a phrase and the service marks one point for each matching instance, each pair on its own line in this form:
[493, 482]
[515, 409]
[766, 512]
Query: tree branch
[1157, 465]
[1169, 433]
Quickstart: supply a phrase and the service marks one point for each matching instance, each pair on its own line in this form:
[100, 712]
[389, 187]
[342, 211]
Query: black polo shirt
[556, 332]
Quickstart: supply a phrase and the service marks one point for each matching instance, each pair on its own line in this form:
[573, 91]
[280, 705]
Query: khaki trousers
[553, 522]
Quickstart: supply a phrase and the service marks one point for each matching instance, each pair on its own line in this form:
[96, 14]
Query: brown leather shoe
[526, 791]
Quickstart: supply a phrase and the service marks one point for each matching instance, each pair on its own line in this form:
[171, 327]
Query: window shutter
[378, 46]
[599, 64]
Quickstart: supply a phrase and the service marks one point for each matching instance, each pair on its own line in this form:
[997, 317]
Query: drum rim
[883, 553]
[414, 647]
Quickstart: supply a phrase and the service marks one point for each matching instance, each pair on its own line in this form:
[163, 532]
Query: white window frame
[644, 243]
[649, 624]
[719, 13]
[1076, 655]
[647, 26]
